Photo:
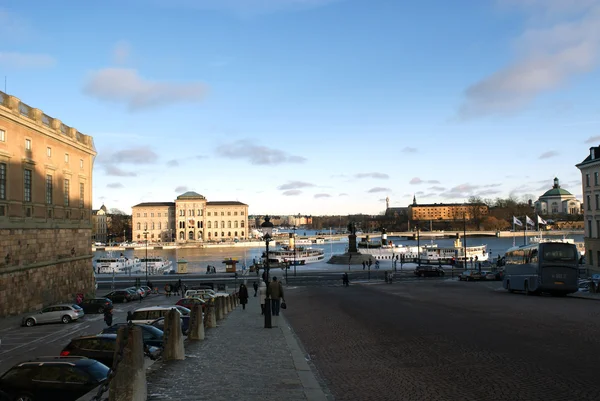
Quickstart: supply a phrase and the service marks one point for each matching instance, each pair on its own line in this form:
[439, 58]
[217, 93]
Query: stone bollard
[129, 384]
[228, 300]
[219, 308]
[174, 337]
[196, 323]
[212, 310]
[236, 299]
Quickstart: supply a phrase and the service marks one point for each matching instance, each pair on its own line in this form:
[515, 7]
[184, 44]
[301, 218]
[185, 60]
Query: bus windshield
[559, 253]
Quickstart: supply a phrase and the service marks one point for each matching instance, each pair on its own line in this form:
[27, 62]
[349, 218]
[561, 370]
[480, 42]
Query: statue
[352, 238]
[352, 228]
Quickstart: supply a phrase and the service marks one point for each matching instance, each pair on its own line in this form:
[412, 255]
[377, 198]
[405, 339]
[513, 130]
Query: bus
[550, 267]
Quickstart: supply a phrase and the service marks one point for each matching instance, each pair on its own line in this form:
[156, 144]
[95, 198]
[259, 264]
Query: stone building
[557, 201]
[446, 211]
[191, 218]
[99, 225]
[590, 183]
[45, 209]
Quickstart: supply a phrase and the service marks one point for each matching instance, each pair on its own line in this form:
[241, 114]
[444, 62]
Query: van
[150, 314]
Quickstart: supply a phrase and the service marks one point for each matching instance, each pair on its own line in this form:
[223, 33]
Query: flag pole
[514, 230]
[525, 232]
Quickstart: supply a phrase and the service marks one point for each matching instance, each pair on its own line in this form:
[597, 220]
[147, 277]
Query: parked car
[136, 291]
[150, 314]
[53, 378]
[470, 275]
[100, 347]
[428, 271]
[96, 305]
[64, 313]
[160, 324]
[496, 276]
[147, 290]
[152, 335]
[120, 296]
[190, 302]
[182, 309]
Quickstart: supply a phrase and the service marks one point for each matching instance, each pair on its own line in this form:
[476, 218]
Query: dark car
[120, 296]
[151, 335]
[160, 324]
[96, 305]
[53, 378]
[100, 347]
[428, 271]
[470, 275]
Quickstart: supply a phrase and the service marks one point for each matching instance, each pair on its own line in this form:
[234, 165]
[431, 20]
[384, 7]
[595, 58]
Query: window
[199, 212]
[216, 224]
[145, 227]
[158, 215]
[182, 224]
[242, 224]
[66, 190]
[241, 213]
[27, 144]
[588, 202]
[208, 214]
[66, 157]
[138, 215]
[208, 225]
[48, 189]
[2, 180]
[222, 224]
[235, 224]
[159, 226]
[597, 202]
[228, 213]
[49, 151]
[590, 229]
[596, 178]
[151, 214]
[145, 214]
[587, 180]
[139, 226]
[80, 163]
[222, 213]
[182, 213]
[152, 226]
[27, 185]
[2, 135]
[81, 194]
[235, 213]
[229, 224]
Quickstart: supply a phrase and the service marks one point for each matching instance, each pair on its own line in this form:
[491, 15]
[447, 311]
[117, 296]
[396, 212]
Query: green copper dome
[557, 190]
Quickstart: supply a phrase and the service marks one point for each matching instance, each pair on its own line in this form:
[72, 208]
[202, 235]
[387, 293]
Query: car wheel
[24, 397]
[526, 288]
[125, 300]
[30, 322]
[66, 319]
[100, 310]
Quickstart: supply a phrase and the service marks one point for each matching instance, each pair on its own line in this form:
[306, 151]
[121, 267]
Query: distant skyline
[315, 106]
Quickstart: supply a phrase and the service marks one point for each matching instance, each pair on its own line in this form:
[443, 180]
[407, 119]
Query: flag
[517, 222]
[540, 220]
[529, 221]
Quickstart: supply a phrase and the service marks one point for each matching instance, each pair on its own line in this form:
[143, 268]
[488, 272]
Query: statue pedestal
[352, 243]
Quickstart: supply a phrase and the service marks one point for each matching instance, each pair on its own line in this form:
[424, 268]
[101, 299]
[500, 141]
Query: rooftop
[556, 190]
[190, 195]
[225, 203]
[154, 204]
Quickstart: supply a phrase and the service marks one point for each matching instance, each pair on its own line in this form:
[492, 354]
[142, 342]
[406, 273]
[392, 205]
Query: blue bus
[550, 267]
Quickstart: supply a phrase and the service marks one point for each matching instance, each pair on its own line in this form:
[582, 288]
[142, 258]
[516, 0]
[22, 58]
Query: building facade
[99, 225]
[557, 201]
[45, 209]
[590, 183]
[191, 218]
[447, 211]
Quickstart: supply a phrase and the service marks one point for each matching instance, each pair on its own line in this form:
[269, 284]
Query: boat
[477, 253]
[116, 264]
[300, 256]
[156, 265]
[580, 245]
[297, 241]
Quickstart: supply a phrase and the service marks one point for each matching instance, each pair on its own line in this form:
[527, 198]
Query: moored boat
[299, 256]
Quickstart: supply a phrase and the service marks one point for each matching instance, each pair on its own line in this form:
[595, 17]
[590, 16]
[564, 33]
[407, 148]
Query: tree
[475, 209]
[118, 224]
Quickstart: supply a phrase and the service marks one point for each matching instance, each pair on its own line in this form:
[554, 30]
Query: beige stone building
[590, 183]
[99, 225]
[446, 211]
[191, 218]
[45, 209]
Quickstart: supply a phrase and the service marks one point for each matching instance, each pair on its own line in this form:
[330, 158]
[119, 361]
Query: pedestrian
[364, 265]
[255, 285]
[243, 295]
[180, 286]
[129, 316]
[262, 293]
[168, 289]
[386, 276]
[276, 292]
[108, 317]
[208, 269]
[345, 280]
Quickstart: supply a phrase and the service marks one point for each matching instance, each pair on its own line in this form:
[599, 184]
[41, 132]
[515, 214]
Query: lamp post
[146, 238]
[294, 228]
[267, 230]
[418, 246]
[465, 240]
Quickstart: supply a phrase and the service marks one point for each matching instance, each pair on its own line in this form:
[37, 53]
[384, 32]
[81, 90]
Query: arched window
[229, 234]
[208, 225]
[222, 224]
[145, 226]
[138, 236]
[209, 234]
[191, 235]
[199, 235]
[181, 235]
[242, 234]
[235, 224]
[152, 235]
[139, 226]
[222, 233]
[201, 224]
[216, 234]
[216, 224]
[242, 223]
[152, 225]
[229, 224]
[235, 233]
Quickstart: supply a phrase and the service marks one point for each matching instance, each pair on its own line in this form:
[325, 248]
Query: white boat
[301, 256]
[297, 241]
[476, 253]
[118, 264]
[156, 264]
[431, 252]
[580, 245]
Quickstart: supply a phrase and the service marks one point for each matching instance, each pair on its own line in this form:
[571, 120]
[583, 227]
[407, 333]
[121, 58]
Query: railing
[80, 138]
[64, 129]
[46, 120]
[25, 110]
[3, 99]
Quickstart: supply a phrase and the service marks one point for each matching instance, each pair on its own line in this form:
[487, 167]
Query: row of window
[157, 226]
[596, 179]
[28, 147]
[159, 214]
[28, 187]
[200, 224]
[192, 212]
[191, 235]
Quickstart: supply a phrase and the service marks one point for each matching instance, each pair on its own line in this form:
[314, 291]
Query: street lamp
[146, 238]
[418, 246]
[465, 239]
[294, 228]
[267, 230]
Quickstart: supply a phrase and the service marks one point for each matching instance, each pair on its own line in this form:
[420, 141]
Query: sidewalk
[585, 295]
[239, 359]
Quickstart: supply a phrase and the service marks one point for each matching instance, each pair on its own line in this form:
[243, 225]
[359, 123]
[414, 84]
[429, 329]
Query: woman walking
[262, 293]
[243, 294]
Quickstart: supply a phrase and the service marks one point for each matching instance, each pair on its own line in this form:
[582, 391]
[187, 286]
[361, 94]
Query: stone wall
[39, 267]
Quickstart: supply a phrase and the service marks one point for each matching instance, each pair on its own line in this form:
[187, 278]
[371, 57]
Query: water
[198, 258]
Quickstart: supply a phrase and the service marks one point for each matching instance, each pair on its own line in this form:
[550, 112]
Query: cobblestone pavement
[448, 340]
[239, 360]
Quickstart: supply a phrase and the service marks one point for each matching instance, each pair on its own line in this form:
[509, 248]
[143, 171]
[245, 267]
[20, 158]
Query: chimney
[593, 153]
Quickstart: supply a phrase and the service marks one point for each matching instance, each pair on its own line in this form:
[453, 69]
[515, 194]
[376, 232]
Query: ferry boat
[476, 253]
[300, 256]
[580, 245]
[156, 264]
[118, 264]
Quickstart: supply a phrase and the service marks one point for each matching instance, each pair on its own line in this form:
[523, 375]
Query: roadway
[447, 340]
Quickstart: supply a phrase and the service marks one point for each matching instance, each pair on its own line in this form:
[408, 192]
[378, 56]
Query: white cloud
[26, 60]
[548, 55]
[372, 175]
[460, 191]
[125, 85]
[378, 189]
[317, 196]
[593, 140]
[417, 181]
[292, 192]
[549, 154]
[121, 52]
[295, 185]
[139, 155]
[181, 189]
[256, 154]
[115, 185]
[408, 149]
[117, 172]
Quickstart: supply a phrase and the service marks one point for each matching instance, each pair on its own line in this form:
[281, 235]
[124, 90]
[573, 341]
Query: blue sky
[315, 106]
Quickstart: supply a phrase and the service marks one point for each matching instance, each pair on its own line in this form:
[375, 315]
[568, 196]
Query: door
[76, 381]
[47, 383]
[47, 314]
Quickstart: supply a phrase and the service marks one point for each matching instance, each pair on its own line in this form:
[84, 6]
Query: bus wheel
[526, 288]
[508, 287]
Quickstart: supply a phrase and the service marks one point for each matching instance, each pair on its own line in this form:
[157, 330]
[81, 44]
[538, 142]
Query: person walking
[243, 295]
[276, 292]
[108, 317]
[345, 280]
[255, 285]
[129, 316]
[262, 293]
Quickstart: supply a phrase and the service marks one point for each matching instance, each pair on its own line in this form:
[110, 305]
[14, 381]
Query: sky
[317, 107]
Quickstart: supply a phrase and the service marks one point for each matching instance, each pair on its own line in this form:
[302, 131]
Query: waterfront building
[446, 211]
[99, 225]
[191, 218]
[590, 183]
[45, 209]
[557, 201]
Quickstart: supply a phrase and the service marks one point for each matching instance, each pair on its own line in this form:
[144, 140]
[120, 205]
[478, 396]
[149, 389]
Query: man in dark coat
[255, 285]
[243, 295]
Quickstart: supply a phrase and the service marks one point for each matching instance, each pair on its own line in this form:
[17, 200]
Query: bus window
[559, 253]
[533, 258]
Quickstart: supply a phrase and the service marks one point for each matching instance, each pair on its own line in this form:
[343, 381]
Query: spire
[414, 200]
[387, 202]
[556, 185]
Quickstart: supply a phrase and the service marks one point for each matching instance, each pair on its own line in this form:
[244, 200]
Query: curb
[582, 296]
[312, 388]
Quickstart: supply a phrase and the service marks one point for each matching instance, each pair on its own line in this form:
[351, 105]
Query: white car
[151, 313]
